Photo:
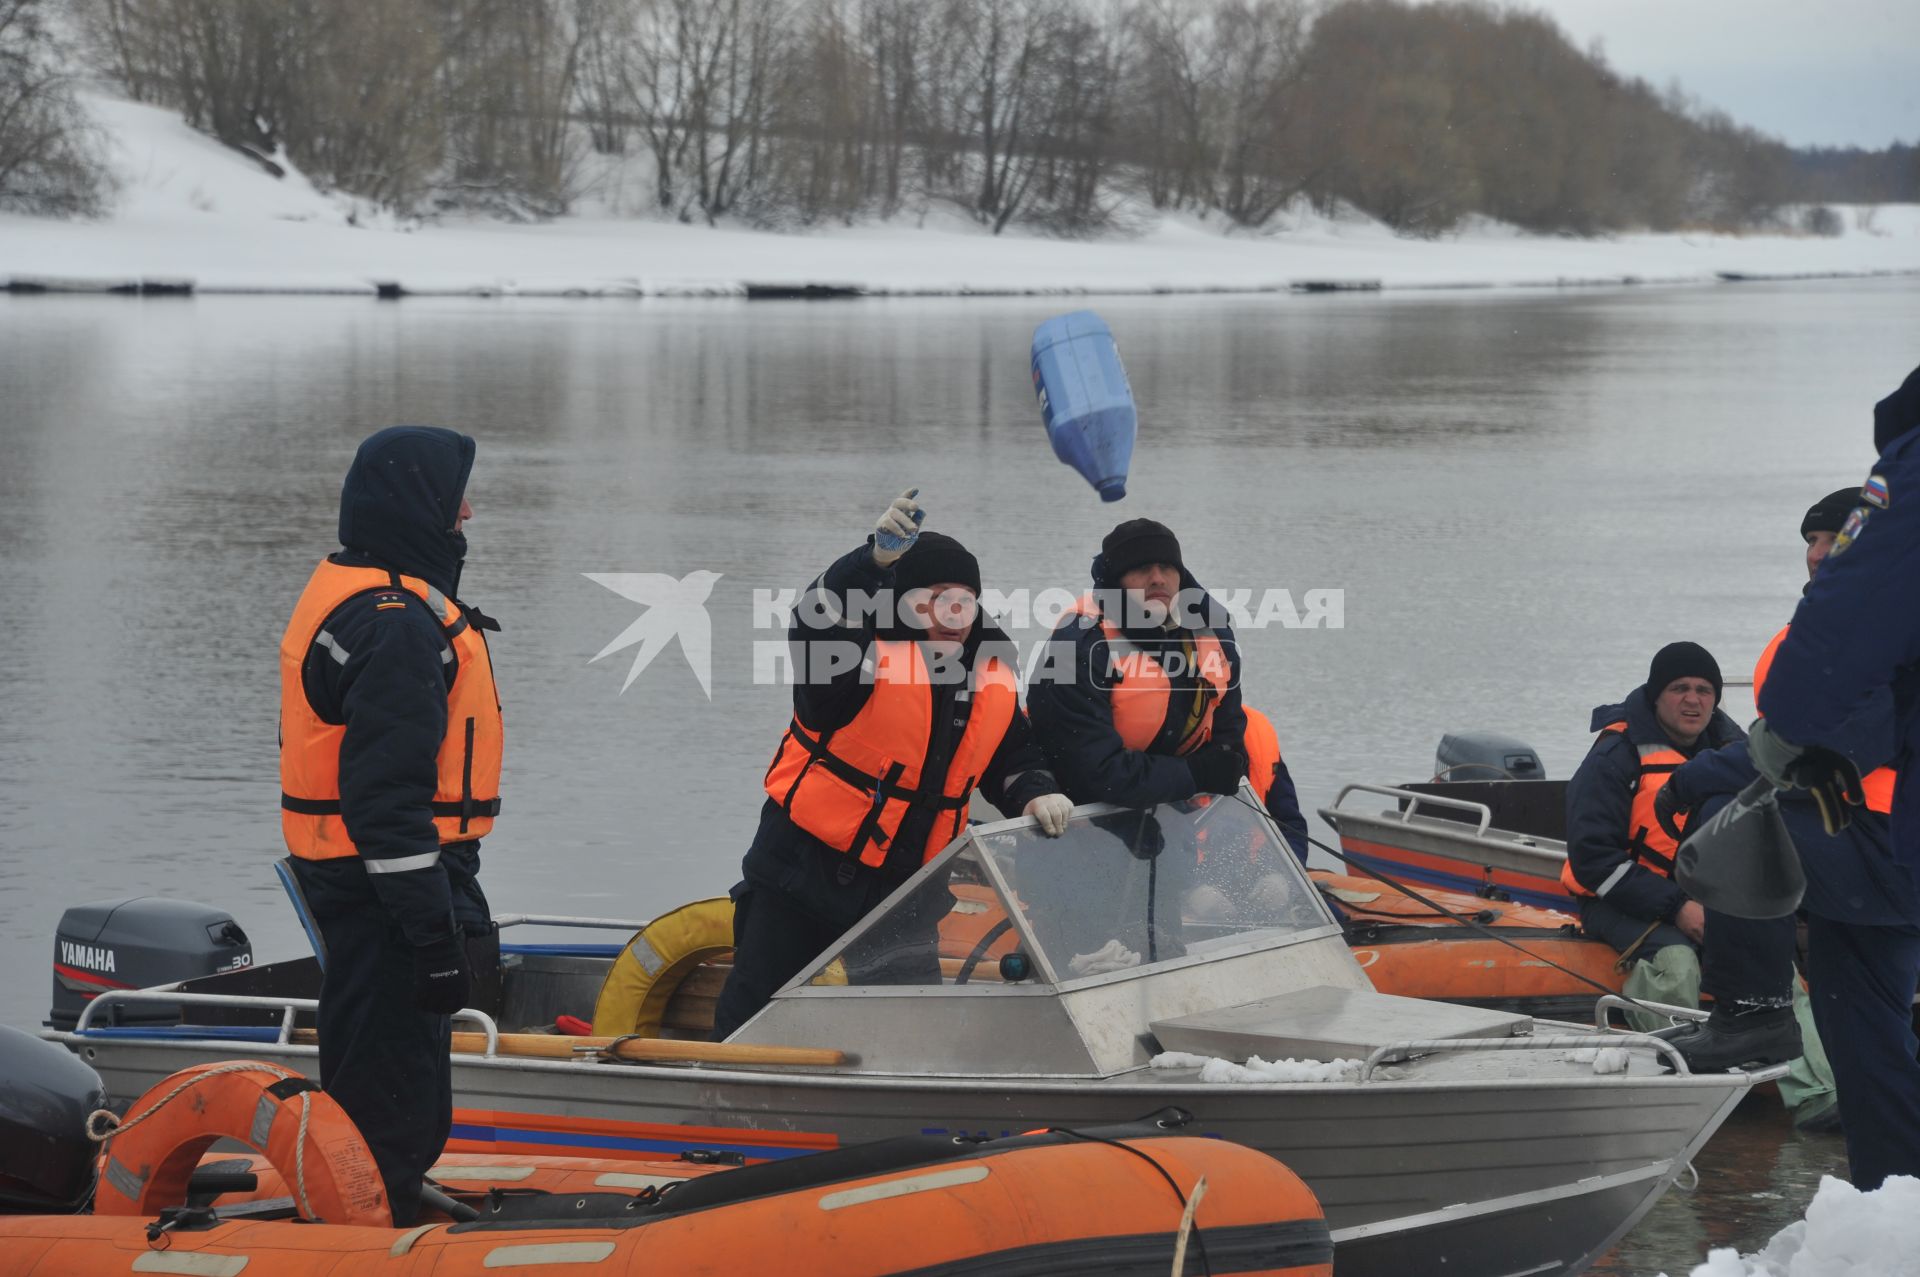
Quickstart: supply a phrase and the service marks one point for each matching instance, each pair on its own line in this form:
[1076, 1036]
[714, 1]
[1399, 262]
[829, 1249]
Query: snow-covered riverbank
[190, 210]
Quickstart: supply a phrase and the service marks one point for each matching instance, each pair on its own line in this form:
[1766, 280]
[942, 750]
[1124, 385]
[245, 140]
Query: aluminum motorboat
[1437, 1137]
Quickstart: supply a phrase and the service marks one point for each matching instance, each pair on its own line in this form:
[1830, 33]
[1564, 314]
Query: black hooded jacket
[398, 506]
[1072, 706]
[1600, 805]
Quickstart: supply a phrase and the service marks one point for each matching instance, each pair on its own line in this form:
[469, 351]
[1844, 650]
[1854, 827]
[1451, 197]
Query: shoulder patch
[1874, 492]
[1850, 531]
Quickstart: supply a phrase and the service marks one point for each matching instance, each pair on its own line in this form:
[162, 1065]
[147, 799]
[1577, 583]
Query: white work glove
[1050, 812]
[1111, 956]
[897, 528]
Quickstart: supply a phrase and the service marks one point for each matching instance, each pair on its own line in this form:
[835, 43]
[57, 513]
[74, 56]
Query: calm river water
[1521, 496]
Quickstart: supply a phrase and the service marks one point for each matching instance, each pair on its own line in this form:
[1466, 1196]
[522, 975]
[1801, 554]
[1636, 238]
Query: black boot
[1728, 1040]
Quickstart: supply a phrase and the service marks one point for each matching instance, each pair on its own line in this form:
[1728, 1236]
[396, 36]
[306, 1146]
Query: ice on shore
[1846, 1233]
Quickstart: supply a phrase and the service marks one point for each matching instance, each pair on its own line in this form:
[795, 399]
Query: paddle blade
[1743, 861]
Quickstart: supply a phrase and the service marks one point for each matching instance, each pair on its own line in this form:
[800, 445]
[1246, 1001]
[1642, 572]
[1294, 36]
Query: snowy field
[189, 209]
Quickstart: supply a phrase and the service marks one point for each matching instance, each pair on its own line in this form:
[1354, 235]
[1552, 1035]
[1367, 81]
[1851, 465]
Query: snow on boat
[1479, 1138]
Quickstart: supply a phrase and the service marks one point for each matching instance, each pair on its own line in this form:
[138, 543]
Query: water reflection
[1521, 495]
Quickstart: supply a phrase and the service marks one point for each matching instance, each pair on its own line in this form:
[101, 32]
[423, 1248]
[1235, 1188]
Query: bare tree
[47, 160]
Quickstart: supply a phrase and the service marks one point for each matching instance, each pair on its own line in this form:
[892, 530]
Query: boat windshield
[1123, 889]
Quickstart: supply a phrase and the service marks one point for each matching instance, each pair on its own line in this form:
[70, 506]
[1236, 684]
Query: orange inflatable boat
[1409, 949]
[309, 1202]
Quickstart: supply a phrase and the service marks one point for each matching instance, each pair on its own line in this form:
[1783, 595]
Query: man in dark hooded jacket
[389, 763]
[1855, 641]
[1620, 867]
[905, 701]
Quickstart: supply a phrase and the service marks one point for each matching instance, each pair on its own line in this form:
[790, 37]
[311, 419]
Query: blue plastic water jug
[1085, 400]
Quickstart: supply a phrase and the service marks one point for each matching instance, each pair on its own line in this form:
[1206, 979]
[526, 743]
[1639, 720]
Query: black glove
[1831, 777]
[1667, 809]
[440, 981]
[1217, 768]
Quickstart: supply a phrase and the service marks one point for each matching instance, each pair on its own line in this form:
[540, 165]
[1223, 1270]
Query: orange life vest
[1141, 689]
[1879, 783]
[465, 800]
[1263, 751]
[1648, 844]
[851, 788]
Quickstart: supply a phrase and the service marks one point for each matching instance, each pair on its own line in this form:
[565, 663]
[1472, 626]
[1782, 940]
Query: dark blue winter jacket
[1857, 630]
[1600, 806]
[1070, 698]
[1851, 877]
[398, 506]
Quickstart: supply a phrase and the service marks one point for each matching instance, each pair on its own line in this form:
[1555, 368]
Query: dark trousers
[385, 1061]
[773, 938]
[1744, 960]
[1861, 980]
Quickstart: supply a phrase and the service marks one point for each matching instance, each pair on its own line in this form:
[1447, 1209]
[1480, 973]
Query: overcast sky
[1814, 72]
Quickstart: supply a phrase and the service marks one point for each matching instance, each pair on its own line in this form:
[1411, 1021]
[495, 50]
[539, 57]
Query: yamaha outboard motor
[131, 944]
[1485, 756]
[46, 1159]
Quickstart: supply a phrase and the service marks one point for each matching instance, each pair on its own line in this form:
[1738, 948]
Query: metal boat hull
[1494, 1174]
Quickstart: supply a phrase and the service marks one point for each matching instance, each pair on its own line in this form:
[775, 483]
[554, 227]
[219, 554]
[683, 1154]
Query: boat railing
[287, 1006]
[506, 920]
[1614, 1002]
[1412, 802]
[1394, 1052]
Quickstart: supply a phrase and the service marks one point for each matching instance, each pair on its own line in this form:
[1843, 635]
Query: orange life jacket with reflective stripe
[465, 800]
[1648, 844]
[1879, 783]
[851, 788]
[1141, 689]
[1263, 751]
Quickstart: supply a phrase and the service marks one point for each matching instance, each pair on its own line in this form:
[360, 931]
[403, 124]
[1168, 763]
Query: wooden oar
[656, 1050]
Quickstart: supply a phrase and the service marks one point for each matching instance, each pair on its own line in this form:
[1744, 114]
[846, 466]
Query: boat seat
[1326, 1023]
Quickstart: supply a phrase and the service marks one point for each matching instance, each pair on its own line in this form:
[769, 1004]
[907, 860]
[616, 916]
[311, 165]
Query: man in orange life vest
[1138, 699]
[1620, 867]
[1861, 902]
[390, 747]
[906, 699]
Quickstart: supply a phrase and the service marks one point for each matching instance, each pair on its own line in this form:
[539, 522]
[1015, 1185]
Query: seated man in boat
[1862, 912]
[1620, 867]
[905, 700]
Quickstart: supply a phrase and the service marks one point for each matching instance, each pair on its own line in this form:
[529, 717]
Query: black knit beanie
[1682, 660]
[934, 559]
[1829, 512]
[1136, 543]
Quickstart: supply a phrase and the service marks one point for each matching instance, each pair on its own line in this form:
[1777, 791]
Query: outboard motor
[46, 1159]
[131, 944]
[1486, 756]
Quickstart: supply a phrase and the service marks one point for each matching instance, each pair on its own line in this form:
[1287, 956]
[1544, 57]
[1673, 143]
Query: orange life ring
[299, 1128]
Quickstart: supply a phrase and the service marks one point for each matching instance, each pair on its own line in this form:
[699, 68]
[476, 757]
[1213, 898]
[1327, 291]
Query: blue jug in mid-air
[1085, 400]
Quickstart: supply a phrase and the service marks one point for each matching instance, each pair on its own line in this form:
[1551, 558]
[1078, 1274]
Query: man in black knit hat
[905, 700]
[1621, 840]
[1138, 699]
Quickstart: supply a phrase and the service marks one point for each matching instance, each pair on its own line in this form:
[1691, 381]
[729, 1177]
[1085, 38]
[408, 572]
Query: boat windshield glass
[1120, 890]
